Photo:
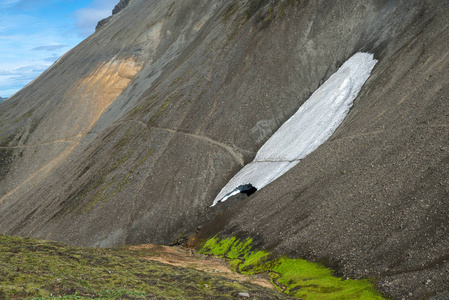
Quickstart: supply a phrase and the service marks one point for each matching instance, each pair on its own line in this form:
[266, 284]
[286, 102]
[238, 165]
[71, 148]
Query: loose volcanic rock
[129, 137]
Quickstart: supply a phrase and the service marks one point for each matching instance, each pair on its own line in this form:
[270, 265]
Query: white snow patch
[314, 123]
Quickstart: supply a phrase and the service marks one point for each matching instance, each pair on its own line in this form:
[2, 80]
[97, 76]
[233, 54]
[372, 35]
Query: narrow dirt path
[49, 166]
[71, 139]
[57, 161]
[234, 151]
[238, 157]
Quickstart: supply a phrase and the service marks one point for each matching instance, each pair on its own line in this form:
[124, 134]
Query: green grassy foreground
[295, 277]
[31, 269]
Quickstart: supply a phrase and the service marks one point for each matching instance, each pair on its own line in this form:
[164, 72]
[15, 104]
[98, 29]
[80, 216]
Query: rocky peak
[119, 7]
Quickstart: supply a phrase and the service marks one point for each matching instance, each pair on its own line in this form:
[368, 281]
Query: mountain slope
[130, 136]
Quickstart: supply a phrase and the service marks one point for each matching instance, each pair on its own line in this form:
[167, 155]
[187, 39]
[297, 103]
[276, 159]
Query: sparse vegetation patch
[32, 269]
[254, 6]
[24, 116]
[230, 10]
[6, 158]
[295, 277]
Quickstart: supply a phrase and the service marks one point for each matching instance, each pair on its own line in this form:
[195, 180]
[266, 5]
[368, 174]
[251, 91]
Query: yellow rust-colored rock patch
[96, 91]
[79, 110]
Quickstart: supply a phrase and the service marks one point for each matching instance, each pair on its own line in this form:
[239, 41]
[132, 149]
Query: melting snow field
[314, 123]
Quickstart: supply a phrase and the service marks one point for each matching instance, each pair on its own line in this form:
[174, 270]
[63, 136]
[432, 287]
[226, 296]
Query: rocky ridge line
[119, 7]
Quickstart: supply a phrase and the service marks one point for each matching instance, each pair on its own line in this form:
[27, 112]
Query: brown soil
[188, 258]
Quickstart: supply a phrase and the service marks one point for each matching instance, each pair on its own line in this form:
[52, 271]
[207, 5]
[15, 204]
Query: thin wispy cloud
[51, 58]
[8, 3]
[21, 64]
[49, 48]
[35, 33]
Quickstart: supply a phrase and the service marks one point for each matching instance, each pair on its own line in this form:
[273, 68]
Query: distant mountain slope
[2, 99]
[130, 136]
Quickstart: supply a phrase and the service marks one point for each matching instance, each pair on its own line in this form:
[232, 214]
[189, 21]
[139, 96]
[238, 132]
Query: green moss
[298, 277]
[108, 182]
[6, 159]
[175, 81]
[235, 32]
[269, 15]
[6, 140]
[124, 140]
[115, 35]
[254, 6]
[313, 281]
[254, 9]
[231, 9]
[7, 155]
[99, 187]
[33, 127]
[121, 185]
[151, 25]
[144, 105]
[255, 262]
[156, 116]
[150, 104]
[26, 115]
[239, 248]
[105, 189]
[284, 5]
[217, 247]
[100, 196]
[144, 159]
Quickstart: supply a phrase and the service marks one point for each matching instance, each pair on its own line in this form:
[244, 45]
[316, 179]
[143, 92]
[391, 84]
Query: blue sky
[35, 33]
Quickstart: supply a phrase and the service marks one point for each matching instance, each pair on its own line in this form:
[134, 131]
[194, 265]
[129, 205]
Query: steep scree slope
[129, 137]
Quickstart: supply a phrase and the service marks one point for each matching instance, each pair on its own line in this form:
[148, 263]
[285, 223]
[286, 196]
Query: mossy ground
[295, 277]
[31, 269]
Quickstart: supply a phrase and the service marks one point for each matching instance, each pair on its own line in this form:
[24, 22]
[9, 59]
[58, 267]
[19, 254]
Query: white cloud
[8, 3]
[13, 78]
[87, 18]
[20, 64]
[30, 43]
